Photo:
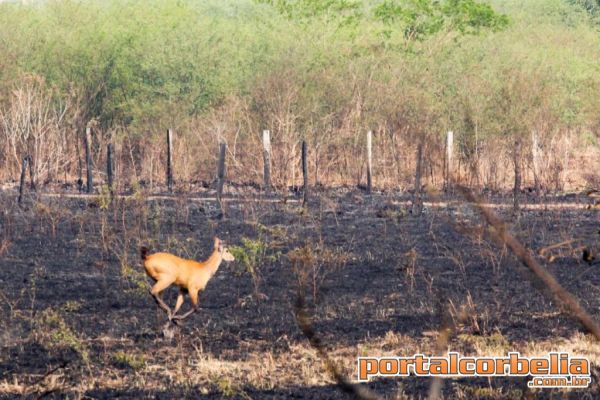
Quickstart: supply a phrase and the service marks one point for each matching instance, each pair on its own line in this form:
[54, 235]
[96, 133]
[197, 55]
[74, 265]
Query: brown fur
[191, 276]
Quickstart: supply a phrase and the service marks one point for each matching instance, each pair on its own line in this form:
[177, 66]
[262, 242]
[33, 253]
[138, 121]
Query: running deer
[191, 276]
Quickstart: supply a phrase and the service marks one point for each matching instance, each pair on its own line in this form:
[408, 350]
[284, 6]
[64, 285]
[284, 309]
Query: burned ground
[78, 320]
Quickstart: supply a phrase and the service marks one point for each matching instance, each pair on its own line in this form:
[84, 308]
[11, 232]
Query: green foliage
[136, 278]
[592, 7]
[341, 11]
[105, 197]
[252, 255]
[470, 16]
[71, 306]
[423, 18]
[56, 333]
[123, 359]
[311, 67]
[132, 62]
[415, 19]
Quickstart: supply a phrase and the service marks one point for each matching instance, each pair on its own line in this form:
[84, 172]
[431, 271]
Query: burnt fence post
[110, 167]
[369, 162]
[221, 175]
[305, 172]
[88, 159]
[170, 160]
[22, 180]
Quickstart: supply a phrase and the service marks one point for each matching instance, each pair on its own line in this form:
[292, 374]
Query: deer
[191, 276]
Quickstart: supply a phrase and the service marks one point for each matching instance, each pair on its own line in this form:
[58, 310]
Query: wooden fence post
[22, 181]
[170, 160]
[305, 172]
[221, 174]
[88, 159]
[517, 165]
[109, 167]
[79, 169]
[31, 173]
[417, 206]
[535, 153]
[267, 159]
[449, 160]
[369, 162]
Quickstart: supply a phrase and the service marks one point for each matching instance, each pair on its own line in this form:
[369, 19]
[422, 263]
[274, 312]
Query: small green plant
[128, 360]
[137, 193]
[71, 306]
[277, 234]
[104, 198]
[251, 255]
[364, 350]
[495, 343]
[231, 389]
[226, 387]
[56, 333]
[135, 277]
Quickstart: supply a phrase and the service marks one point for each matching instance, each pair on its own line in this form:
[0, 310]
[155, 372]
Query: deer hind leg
[194, 299]
[156, 290]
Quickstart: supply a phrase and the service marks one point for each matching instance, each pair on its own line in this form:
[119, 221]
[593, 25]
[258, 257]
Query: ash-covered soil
[78, 321]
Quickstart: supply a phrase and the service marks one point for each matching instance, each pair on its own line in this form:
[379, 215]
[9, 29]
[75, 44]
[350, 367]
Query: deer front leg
[194, 299]
[177, 307]
[179, 302]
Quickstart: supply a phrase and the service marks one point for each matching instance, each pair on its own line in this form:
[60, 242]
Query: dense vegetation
[327, 71]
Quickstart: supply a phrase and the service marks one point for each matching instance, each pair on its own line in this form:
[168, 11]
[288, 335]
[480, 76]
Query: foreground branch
[524, 255]
[305, 324]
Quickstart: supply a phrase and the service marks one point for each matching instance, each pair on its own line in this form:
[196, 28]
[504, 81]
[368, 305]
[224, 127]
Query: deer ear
[217, 242]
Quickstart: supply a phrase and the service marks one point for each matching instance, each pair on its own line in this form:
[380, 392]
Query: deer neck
[213, 262]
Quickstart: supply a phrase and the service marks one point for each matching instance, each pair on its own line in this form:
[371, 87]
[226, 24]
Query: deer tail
[144, 252]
